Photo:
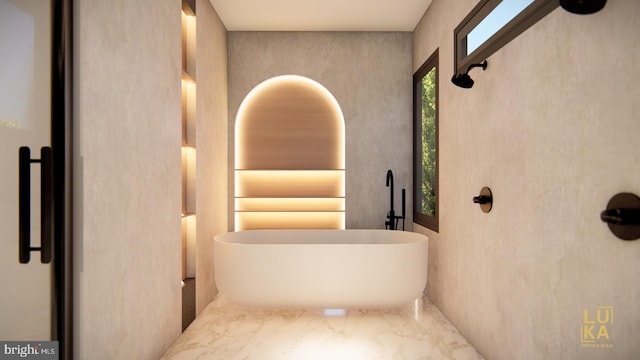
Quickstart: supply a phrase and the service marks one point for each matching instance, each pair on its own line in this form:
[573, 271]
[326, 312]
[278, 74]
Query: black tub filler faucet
[392, 219]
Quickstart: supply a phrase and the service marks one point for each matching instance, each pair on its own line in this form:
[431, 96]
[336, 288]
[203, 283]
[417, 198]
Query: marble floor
[228, 331]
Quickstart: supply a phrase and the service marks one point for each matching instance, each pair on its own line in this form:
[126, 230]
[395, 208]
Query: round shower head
[583, 7]
[462, 80]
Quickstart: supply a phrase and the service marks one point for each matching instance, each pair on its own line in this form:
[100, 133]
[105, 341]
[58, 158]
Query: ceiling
[320, 15]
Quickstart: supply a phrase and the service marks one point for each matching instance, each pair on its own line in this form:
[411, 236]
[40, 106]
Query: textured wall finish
[127, 104]
[370, 76]
[211, 187]
[551, 126]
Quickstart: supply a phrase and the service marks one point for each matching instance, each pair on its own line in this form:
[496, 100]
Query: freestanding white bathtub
[321, 268]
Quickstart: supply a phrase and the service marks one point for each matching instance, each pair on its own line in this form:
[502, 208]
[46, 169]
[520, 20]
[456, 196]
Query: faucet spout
[392, 214]
[390, 181]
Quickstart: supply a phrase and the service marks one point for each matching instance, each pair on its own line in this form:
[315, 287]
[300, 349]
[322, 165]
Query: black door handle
[24, 204]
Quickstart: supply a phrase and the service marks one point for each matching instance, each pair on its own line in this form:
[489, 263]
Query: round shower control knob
[485, 199]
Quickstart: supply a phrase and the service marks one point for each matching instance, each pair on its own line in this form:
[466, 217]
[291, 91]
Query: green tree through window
[429, 143]
[426, 144]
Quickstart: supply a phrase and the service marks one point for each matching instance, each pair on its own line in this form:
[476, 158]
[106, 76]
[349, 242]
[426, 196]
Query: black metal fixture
[392, 219]
[485, 199]
[464, 80]
[24, 204]
[623, 216]
[583, 7]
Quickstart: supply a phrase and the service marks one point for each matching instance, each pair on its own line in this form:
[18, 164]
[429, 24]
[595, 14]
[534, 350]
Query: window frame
[428, 221]
[527, 18]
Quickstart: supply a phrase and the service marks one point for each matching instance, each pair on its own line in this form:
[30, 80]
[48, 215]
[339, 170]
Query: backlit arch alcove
[289, 157]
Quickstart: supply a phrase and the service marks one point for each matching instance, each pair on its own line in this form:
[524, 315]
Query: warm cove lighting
[289, 110]
[289, 157]
[289, 220]
[189, 180]
[290, 204]
[290, 183]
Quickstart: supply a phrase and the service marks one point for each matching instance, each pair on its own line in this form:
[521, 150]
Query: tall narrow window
[425, 144]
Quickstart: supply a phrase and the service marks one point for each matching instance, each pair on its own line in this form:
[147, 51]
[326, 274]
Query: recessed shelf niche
[289, 157]
[188, 138]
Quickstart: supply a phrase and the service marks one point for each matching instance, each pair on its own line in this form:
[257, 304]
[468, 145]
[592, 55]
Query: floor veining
[228, 331]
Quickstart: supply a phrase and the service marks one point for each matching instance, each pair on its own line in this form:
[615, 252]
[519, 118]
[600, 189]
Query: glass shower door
[25, 120]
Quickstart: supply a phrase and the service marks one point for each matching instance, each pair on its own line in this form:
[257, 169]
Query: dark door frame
[61, 141]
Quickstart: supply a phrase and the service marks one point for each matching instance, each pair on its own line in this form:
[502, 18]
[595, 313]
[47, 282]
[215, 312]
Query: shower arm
[483, 65]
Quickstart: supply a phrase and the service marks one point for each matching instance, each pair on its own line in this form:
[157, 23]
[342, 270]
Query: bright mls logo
[28, 350]
[594, 332]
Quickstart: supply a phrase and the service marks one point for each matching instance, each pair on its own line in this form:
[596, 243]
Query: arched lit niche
[289, 157]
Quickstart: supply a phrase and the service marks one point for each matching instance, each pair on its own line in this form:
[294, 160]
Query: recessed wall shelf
[188, 157]
[188, 137]
[289, 159]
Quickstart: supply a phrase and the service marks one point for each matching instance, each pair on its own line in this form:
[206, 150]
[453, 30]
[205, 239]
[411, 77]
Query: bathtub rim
[390, 237]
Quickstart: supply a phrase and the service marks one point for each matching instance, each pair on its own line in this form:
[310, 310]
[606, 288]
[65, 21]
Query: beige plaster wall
[127, 166]
[212, 144]
[370, 76]
[551, 126]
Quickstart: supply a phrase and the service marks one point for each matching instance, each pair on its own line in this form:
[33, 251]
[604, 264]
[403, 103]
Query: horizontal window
[492, 24]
